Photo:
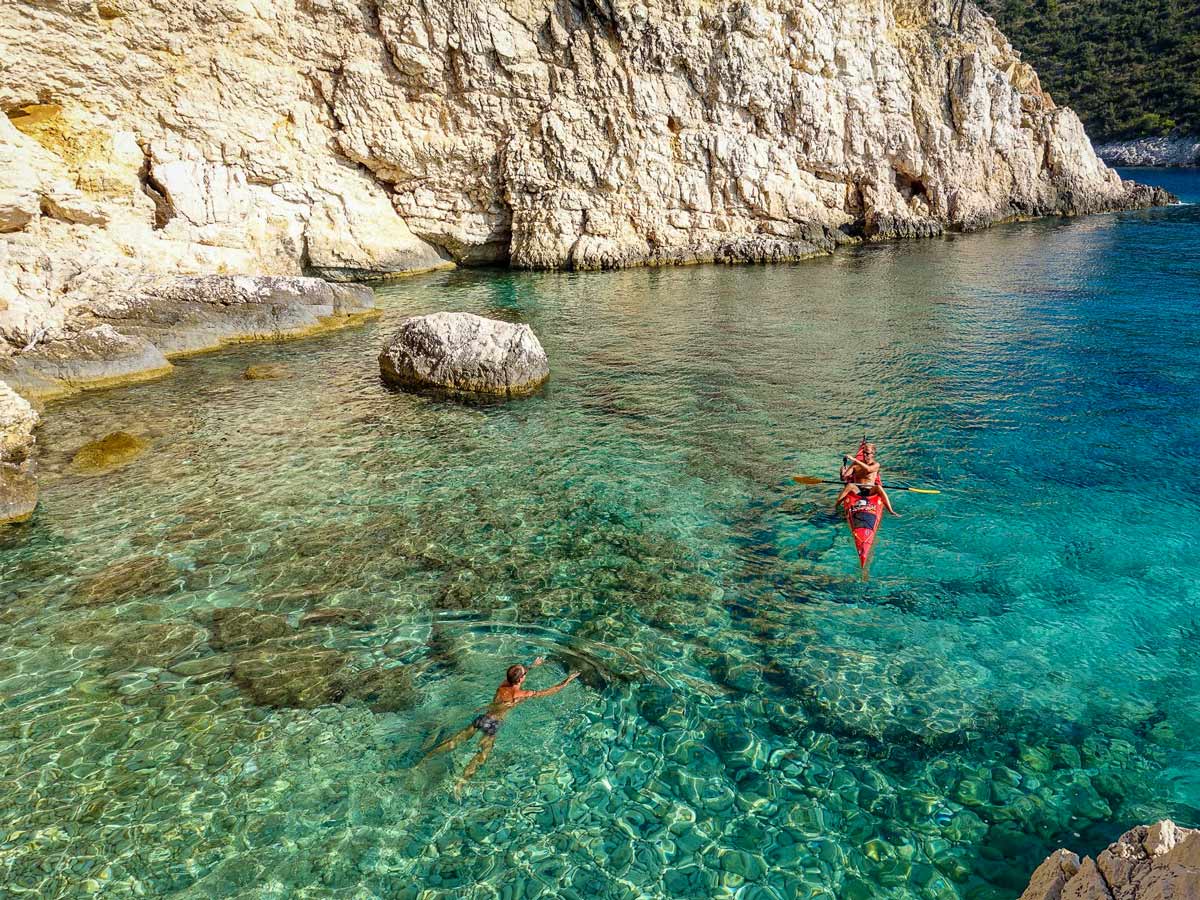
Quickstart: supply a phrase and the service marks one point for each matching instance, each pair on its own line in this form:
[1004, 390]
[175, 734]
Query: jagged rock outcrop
[462, 353]
[1171, 150]
[18, 466]
[1155, 862]
[146, 138]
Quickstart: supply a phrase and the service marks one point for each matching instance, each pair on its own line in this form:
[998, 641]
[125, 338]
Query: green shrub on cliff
[1128, 67]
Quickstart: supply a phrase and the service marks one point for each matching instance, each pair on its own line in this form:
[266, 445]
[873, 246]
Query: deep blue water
[754, 721]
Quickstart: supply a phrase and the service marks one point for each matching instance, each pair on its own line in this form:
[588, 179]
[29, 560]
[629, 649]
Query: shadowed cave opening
[910, 187]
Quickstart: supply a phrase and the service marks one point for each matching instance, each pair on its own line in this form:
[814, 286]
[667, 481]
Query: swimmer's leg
[451, 743]
[485, 748]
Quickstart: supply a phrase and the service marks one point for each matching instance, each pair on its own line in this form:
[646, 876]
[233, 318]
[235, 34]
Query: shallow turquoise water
[754, 721]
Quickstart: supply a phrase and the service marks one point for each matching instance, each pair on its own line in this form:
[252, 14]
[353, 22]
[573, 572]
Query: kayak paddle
[801, 479]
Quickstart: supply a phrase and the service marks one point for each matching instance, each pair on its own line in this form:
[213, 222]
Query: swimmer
[508, 695]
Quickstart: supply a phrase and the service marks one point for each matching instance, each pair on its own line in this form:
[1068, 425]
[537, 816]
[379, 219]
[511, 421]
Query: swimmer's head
[516, 674]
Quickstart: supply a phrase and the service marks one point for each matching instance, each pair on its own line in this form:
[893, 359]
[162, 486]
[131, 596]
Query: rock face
[18, 468]
[1156, 862]
[464, 354]
[1174, 150]
[147, 138]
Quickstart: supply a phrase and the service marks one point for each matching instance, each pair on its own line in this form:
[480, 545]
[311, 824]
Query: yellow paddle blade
[920, 491]
[805, 479]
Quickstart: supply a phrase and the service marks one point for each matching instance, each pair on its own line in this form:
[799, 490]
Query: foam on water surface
[752, 720]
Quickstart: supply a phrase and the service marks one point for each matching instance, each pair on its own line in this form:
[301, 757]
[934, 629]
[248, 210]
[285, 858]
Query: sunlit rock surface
[18, 473]
[464, 353]
[1155, 862]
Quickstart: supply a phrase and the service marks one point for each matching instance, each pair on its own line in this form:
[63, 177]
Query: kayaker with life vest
[862, 479]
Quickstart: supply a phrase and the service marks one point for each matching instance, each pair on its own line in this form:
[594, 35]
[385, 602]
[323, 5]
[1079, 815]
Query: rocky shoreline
[354, 140]
[1172, 151]
[1150, 862]
[132, 331]
[144, 161]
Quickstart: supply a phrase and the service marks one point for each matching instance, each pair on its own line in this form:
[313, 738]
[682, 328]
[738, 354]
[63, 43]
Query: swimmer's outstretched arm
[546, 692]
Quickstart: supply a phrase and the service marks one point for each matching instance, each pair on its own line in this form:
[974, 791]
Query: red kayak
[864, 515]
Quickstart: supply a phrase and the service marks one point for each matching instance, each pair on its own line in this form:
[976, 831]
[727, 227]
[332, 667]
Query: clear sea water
[754, 721]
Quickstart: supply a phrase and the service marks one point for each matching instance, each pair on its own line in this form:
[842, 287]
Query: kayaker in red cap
[862, 479]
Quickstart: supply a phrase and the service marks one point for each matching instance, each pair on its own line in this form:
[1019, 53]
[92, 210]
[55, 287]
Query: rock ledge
[136, 323]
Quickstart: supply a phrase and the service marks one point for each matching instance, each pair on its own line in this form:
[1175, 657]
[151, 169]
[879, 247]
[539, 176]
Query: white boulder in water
[464, 354]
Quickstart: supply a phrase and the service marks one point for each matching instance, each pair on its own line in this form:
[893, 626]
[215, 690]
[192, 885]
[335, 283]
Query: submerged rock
[307, 677]
[266, 372]
[18, 467]
[127, 645]
[144, 578]
[237, 628]
[335, 616]
[1146, 863]
[465, 354]
[110, 452]
[153, 643]
[295, 678]
[382, 689]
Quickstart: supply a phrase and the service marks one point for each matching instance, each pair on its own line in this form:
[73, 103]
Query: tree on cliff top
[1129, 67]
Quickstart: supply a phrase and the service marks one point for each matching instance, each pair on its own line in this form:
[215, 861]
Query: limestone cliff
[348, 137]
